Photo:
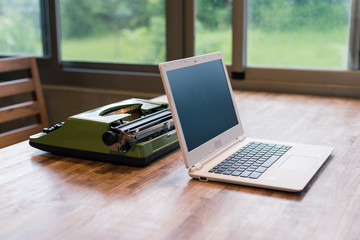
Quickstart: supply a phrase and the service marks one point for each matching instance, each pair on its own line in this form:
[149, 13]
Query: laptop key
[246, 174]
[255, 175]
[270, 161]
[261, 169]
[236, 173]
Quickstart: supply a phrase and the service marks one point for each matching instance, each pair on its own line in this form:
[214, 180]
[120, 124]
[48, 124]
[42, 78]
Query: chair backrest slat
[15, 64]
[15, 87]
[19, 110]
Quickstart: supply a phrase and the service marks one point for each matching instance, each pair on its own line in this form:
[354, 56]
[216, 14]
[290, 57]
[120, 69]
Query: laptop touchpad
[298, 163]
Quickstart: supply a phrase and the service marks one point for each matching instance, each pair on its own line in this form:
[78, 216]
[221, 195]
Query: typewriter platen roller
[132, 132]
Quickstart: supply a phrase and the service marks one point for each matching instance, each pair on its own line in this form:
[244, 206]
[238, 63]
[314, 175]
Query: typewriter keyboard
[252, 160]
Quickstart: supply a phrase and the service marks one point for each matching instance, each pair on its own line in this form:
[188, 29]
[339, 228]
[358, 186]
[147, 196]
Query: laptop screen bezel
[213, 145]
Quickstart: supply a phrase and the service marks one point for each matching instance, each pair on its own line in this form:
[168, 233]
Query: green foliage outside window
[298, 33]
[284, 15]
[20, 28]
[214, 27]
[126, 31]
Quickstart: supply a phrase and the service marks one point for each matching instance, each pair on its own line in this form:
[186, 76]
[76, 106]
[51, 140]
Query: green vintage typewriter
[131, 132]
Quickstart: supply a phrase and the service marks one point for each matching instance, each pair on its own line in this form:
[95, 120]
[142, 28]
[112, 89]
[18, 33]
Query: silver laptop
[212, 138]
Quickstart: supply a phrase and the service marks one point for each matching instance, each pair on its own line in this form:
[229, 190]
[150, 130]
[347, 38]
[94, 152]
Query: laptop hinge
[199, 165]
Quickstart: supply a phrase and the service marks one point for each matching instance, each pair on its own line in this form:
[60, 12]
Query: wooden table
[43, 196]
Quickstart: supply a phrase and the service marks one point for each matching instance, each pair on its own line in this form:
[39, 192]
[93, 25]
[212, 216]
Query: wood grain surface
[43, 196]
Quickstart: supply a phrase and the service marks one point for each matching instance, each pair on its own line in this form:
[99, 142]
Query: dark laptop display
[203, 101]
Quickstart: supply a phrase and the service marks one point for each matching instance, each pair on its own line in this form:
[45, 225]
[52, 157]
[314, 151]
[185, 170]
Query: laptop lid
[202, 103]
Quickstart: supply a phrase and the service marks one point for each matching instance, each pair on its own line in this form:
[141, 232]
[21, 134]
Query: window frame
[354, 41]
[292, 80]
[127, 77]
[180, 42]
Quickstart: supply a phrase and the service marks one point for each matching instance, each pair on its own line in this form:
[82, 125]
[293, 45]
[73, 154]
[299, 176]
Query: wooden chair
[32, 106]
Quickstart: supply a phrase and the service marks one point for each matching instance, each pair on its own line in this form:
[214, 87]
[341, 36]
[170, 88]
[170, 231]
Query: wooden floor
[43, 196]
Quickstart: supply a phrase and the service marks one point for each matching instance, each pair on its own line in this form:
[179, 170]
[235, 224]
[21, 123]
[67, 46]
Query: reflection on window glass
[126, 31]
[214, 27]
[306, 33]
[20, 28]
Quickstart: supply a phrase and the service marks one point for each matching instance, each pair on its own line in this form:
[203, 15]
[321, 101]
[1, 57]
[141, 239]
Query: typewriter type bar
[122, 136]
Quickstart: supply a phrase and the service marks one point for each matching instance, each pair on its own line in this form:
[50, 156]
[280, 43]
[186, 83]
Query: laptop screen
[203, 101]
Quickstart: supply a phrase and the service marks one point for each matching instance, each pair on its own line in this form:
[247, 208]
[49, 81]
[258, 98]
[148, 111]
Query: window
[300, 34]
[214, 28]
[123, 31]
[20, 28]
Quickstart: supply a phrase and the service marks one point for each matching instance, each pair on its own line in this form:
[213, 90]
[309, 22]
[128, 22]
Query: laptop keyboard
[251, 160]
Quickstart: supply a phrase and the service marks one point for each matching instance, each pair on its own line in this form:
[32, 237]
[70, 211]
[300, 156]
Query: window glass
[20, 27]
[294, 33]
[214, 27]
[126, 31]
